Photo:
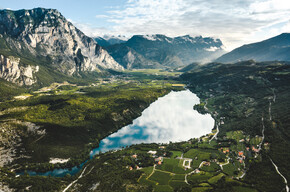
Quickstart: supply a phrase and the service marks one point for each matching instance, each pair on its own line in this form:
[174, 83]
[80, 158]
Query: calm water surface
[170, 118]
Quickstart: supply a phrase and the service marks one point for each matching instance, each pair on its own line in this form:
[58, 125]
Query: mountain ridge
[160, 51]
[275, 48]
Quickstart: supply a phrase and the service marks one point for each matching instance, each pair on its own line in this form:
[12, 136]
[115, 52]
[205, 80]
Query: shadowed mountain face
[276, 48]
[46, 33]
[160, 51]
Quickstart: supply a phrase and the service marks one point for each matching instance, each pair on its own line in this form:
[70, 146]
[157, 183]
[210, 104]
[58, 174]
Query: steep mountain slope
[129, 58]
[276, 48]
[169, 52]
[44, 34]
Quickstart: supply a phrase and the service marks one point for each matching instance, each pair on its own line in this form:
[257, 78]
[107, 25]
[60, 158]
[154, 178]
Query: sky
[235, 22]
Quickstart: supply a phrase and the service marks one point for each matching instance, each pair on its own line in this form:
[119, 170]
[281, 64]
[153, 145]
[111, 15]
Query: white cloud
[89, 29]
[235, 22]
[211, 49]
[286, 27]
[102, 16]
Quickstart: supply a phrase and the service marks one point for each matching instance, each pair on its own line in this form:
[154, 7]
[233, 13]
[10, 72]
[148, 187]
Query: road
[285, 180]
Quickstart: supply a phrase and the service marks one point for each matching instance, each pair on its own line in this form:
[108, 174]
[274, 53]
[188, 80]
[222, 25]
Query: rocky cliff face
[47, 33]
[10, 70]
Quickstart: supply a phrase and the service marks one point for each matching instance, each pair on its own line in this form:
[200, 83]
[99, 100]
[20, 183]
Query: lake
[169, 118]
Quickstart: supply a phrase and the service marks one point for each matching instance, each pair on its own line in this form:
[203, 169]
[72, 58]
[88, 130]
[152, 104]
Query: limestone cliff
[10, 70]
[45, 32]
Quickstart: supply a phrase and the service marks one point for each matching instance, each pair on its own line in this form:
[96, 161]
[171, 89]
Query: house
[130, 168]
[255, 150]
[152, 152]
[161, 147]
[134, 156]
[241, 153]
[159, 162]
[225, 150]
[196, 171]
[206, 163]
[158, 159]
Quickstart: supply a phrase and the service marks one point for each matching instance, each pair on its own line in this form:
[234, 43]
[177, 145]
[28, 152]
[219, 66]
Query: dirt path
[263, 134]
[185, 178]
[217, 132]
[152, 172]
[81, 175]
[222, 164]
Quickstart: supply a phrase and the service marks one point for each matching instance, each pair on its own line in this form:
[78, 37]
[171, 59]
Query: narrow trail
[152, 172]
[185, 178]
[240, 177]
[228, 161]
[285, 180]
[263, 134]
[81, 175]
[270, 115]
[217, 132]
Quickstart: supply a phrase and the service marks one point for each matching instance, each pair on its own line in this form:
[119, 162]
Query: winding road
[285, 180]
[276, 167]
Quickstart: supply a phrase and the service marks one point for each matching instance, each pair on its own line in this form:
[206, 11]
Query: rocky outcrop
[46, 32]
[10, 70]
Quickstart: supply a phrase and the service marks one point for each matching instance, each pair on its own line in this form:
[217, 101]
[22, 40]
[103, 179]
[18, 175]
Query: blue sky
[235, 22]
[84, 11]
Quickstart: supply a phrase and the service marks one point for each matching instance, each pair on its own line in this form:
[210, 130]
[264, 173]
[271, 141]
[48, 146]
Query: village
[199, 162]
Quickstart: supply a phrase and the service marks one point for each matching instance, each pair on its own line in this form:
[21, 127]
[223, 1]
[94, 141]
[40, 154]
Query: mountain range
[160, 51]
[42, 46]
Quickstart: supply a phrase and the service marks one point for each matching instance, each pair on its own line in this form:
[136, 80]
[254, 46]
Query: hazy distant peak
[275, 48]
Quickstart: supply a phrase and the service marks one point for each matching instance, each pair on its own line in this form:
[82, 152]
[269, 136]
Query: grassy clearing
[243, 189]
[145, 181]
[197, 154]
[230, 169]
[178, 177]
[147, 170]
[199, 178]
[161, 178]
[172, 165]
[200, 189]
[216, 178]
[163, 188]
[212, 168]
[177, 184]
[176, 154]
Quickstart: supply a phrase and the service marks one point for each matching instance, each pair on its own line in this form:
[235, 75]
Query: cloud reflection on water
[170, 118]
